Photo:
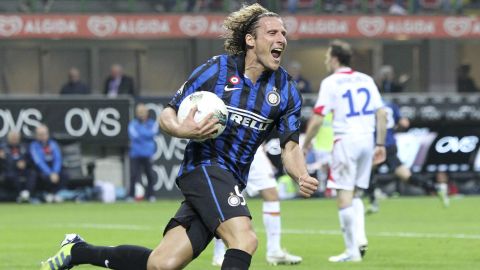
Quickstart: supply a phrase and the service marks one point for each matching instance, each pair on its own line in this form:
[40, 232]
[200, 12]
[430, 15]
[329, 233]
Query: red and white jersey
[353, 98]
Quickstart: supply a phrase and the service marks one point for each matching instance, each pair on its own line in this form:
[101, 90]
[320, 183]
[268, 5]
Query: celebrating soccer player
[260, 96]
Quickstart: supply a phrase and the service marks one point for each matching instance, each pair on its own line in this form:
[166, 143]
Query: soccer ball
[206, 102]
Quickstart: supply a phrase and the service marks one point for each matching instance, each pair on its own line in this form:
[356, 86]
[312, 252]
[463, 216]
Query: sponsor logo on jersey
[248, 119]
[228, 89]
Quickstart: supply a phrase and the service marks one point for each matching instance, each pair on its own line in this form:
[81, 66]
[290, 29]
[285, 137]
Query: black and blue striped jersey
[254, 110]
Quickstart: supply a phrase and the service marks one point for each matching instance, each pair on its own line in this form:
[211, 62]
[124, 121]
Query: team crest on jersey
[273, 98]
[234, 200]
[234, 80]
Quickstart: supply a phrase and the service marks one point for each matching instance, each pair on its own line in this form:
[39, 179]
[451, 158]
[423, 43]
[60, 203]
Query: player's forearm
[168, 122]
[294, 161]
[314, 125]
[381, 126]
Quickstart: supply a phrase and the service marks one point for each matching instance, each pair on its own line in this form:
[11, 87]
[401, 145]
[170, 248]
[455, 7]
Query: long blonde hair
[240, 23]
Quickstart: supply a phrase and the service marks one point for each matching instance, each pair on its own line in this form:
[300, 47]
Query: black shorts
[392, 160]
[212, 195]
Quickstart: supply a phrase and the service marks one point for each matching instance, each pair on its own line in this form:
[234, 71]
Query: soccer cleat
[283, 257]
[217, 260]
[363, 250]
[442, 192]
[344, 257]
[62, 259]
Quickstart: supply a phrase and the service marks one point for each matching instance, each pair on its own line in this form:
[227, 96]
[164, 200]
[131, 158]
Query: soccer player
[396, 121]
[357, 106]
[261, 179]
[260, 97]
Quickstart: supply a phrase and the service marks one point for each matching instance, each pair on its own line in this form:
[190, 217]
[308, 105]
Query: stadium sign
[121, 26]
[91, 120]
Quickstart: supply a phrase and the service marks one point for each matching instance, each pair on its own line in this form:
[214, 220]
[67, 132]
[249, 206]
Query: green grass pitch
[407, 233]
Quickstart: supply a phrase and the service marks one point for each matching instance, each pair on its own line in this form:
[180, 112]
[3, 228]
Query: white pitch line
[390, 234]
[100, 226]
[132, 227]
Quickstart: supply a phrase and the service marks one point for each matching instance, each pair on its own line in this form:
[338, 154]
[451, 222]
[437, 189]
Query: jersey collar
[344, 70]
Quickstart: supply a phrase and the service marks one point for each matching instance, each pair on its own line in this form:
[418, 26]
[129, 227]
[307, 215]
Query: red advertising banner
[53, 26]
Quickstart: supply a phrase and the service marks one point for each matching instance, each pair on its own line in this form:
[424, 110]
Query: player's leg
[363, 175]
[215, 194]
[175, 251]
[75, 251]
[346, 214]
[273, 228]
[241, 240]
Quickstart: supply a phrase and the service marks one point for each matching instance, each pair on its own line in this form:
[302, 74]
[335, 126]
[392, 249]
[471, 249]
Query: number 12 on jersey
[356, 95]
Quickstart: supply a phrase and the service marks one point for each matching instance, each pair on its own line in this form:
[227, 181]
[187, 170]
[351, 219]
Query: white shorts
[261, 174]
[351, 162]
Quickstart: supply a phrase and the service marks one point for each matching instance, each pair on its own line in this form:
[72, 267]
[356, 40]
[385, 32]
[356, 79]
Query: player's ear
[250, 40]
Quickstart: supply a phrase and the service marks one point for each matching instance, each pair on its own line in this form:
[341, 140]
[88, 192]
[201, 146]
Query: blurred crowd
[396, 7]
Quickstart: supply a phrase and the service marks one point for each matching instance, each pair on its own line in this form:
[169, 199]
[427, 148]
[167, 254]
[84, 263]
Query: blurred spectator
[142, 131]
[47, 158]
[19, 175]
[398, 8]
[292, 6]
[27, 5]
[302, 84]
[74, 86]
[117, 83]
[465, 83]
[387, 83]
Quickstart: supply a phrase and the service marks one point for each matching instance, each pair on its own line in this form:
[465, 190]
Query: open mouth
[277, 52]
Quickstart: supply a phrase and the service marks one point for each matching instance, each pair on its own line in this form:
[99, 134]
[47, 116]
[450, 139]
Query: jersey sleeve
[203, 78]
[325, 100]
[289, 124]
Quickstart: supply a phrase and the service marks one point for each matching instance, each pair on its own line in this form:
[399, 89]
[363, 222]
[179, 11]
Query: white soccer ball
[206, 102]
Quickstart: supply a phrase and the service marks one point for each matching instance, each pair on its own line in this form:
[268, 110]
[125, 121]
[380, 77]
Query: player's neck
[253, 69]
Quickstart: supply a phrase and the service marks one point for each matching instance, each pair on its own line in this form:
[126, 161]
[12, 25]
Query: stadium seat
[74, 167]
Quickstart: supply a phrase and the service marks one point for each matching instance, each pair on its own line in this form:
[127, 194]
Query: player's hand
[308, 185]
[379, 155]
[202, 130]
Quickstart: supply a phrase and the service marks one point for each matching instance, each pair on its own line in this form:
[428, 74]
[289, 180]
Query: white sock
[347, 223]
[272, 223]
[359, 209]
[219, 248]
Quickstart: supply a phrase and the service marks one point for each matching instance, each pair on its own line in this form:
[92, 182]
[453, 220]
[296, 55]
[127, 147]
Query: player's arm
[381, 131]
[188, 129]
[294, 163]
[313, 126]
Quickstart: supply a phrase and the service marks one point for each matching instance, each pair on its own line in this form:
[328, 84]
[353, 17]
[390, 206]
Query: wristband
[380, 144]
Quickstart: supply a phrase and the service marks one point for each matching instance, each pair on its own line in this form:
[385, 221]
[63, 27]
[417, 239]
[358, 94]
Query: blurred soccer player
[357, 104]
[261, 179]
[396, 121]
[260, 96]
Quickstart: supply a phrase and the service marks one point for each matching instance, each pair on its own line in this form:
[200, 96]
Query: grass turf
[408, 233]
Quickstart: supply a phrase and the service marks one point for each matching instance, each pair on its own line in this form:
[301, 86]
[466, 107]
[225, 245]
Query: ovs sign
[106, 122]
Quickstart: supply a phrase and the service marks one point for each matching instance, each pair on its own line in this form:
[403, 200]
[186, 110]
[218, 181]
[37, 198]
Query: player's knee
[246, 241]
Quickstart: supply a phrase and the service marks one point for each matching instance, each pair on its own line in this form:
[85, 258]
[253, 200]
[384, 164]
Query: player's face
[270, 42]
